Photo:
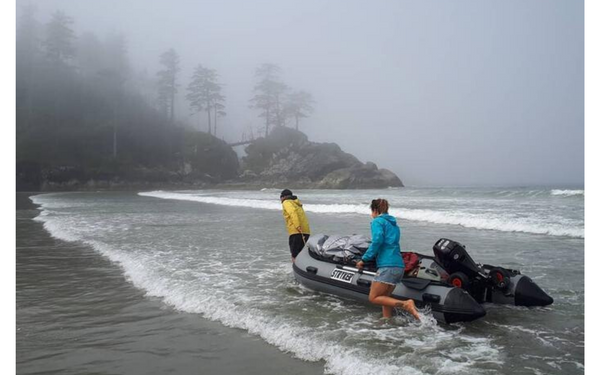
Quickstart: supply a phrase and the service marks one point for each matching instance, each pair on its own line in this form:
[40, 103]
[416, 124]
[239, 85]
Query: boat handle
[428, 297]
[356, 270]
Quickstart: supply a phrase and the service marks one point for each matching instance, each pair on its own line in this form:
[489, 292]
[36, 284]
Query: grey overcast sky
[464, 92]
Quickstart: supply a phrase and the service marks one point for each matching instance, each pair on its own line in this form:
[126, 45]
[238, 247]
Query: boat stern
[528, 293]
[459, 306]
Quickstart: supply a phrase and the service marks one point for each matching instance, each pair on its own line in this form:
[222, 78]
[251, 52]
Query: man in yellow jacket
[295, 221]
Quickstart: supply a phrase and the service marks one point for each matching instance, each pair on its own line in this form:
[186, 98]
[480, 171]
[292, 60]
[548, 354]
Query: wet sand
[77, 313]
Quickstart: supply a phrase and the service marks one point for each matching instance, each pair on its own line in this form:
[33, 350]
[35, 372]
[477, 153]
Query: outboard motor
[464, 272]
[454, 258]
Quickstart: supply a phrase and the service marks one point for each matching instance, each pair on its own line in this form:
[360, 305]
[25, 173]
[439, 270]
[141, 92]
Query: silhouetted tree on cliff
[268, 95]
[218, 108]
[204, 94]
[299, 105]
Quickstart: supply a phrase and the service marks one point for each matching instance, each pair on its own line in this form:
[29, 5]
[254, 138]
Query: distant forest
[84, 112]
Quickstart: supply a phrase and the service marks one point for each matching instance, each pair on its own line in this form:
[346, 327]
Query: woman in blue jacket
[385, 249]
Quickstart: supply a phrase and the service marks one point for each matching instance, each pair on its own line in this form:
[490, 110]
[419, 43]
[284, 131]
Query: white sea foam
[488, 221]
[567, 193]
[223, 201]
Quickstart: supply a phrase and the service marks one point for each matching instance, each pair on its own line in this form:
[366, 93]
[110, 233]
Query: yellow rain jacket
[294, 216]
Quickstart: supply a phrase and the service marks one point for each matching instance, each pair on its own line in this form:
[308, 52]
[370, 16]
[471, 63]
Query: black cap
[285, 193]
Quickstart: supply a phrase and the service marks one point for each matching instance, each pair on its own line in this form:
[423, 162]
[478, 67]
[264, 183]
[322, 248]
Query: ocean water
[223, 255]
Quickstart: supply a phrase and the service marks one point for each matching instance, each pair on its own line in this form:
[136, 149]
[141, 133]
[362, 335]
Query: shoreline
[185, 186]
[237, 351]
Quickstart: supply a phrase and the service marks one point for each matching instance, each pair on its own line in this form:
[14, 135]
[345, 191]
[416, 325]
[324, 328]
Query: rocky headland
[285, 157]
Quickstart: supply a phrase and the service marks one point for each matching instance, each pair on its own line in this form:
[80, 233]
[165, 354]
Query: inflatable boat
[451, 283]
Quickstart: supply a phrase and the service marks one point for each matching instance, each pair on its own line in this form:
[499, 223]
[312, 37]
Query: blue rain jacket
[385, 245]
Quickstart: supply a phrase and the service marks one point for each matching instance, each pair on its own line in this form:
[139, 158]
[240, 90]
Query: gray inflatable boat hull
[448, 304]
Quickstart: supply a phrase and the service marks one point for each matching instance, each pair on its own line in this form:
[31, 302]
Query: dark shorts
[297, 244]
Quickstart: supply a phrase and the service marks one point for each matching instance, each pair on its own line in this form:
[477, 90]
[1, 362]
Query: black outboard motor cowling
[454, 258]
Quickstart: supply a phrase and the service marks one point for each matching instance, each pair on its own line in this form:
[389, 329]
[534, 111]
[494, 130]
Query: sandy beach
[77, 313]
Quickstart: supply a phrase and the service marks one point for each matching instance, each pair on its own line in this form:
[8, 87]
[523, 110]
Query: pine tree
[115, 74]
[27, 56]
[204, 94]
[299, 105]
[219, 110]
[59, 39]
[167, 82]
[268, 95]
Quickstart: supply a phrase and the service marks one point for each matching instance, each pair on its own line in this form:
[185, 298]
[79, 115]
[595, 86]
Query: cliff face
[286, 156]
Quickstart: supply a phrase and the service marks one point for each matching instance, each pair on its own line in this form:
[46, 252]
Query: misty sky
[440, 92]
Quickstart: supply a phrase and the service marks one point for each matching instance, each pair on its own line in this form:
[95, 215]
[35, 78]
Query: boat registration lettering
[341, 275]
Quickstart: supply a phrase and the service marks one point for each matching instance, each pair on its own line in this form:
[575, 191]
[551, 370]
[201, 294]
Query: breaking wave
[568, 193]
[488, 221]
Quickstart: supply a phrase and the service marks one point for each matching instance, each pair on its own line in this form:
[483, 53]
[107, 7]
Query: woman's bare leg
[387, 311]
[380, 295]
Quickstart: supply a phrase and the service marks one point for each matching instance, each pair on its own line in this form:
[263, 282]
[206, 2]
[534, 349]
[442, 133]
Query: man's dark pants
[297, 243]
